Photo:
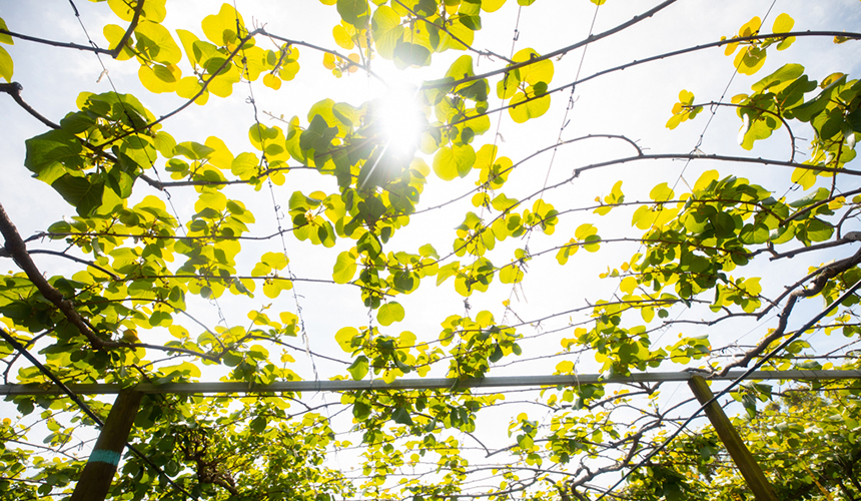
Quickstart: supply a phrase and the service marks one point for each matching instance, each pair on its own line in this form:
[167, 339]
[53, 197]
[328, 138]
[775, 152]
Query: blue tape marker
[104, 456]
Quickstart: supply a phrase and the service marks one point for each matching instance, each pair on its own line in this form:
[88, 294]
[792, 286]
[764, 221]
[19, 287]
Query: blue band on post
[104, 456]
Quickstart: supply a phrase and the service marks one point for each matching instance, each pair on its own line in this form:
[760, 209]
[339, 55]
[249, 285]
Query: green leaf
[345, 267]
[460, 68]
[318, 136]
[60, 227]
[192, 150]
[51, 153]
[724, 225]
[780, 79]
[84, 195]
[402, 416]
[77, 122]
[258, 424]
[496, 354]
[361, 411]
[387, 30]
[409, 54]
[354, 12]
[359, 368]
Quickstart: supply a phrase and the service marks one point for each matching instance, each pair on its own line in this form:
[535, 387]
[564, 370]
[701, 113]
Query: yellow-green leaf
[628, 285]
[661, 193]
[648, 313]
[214, 200]
[342, 38]
[188, 87]
[345, 336]
[114, 34]
[805, 177]
[706, 179]
[390, 313]
[122, 9]
[354, 12]
[750, 60]
[359, 368]
[4, 38]
[585, 230]
[275, 260]
[511, 274]
[522, 110]
[6, 65]
[541, 71]
[156, 40]
[159, 78]
[783, 23]
[491, 5]
[272, 288]
[451, 162]
[345, 267]
[220, 28]
[271, 81]
[750, 28]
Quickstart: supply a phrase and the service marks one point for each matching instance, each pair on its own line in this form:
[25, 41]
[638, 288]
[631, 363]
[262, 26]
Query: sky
[635, 103]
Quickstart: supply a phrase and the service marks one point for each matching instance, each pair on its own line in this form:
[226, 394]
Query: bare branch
[852, 36]
[18, 250]
[822, 278]
[114, 53]
[564, 50]
[819, 204]
[761, 110]
[486, 53]
[53, 43]
[14, 89]
[203, 88]
[5, 253]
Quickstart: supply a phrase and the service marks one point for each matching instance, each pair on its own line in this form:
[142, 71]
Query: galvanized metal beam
[421, 384]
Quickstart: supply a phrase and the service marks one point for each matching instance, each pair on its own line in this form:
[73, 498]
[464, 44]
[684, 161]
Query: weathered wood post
[96, 478]
[742, 457]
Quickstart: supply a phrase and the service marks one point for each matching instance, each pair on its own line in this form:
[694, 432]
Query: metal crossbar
[422, 384]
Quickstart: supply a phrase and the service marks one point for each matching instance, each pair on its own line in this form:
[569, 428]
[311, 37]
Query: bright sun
[400, 121]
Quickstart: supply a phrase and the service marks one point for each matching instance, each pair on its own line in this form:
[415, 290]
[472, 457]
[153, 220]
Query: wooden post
[99, 471]
[749, 468]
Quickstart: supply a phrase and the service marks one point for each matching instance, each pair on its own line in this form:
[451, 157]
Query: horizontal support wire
[423, 384]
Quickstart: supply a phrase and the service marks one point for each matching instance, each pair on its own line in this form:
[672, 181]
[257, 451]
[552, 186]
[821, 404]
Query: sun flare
[400, 121]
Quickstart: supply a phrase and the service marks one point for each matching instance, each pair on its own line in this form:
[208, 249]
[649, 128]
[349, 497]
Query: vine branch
[826, 274]
[114, 53]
